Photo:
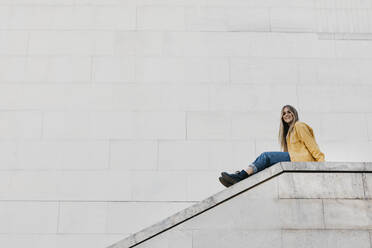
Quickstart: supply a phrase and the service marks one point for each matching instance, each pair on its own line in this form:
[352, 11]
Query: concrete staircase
[287, 205]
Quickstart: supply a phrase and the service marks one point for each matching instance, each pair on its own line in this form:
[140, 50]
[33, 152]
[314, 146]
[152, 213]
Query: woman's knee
[265, 156]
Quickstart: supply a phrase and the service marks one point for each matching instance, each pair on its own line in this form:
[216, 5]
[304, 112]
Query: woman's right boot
[236, 177]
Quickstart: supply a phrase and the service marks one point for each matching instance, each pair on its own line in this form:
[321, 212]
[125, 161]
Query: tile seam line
[99, 201]
[325, 171]
[103, 234]
[160, 202]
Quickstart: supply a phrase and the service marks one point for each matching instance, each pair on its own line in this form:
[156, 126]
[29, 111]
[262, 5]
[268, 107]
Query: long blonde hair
[284, 128]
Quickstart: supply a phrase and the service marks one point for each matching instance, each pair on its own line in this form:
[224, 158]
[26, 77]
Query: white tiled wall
[112, 111]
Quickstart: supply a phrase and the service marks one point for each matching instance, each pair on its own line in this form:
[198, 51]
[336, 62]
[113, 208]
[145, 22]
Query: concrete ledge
[228, 193]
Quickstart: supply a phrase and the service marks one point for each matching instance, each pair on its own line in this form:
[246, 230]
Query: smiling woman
[297, 143]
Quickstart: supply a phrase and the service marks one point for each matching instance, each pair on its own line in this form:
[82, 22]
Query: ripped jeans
[267, 159]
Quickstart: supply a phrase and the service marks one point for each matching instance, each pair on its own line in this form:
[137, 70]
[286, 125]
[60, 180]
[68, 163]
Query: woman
[297, 143]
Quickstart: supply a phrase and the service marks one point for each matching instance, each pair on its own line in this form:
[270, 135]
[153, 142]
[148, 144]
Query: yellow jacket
[302, 145]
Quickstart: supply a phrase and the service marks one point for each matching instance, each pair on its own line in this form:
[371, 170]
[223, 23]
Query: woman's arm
[308, 138]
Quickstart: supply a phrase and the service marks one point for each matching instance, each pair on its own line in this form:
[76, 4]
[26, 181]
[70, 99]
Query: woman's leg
[267, 159]
[263, 161]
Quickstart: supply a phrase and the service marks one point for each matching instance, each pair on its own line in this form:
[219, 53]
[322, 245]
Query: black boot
[236, 177]
[224, 182]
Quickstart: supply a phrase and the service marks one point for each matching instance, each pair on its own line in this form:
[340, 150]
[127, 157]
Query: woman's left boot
[236, 177]
[224, 182]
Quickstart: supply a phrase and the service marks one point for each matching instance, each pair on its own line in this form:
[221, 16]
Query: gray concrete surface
[286, 205]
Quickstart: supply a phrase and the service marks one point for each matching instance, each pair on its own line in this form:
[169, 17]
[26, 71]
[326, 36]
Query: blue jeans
[267, 159]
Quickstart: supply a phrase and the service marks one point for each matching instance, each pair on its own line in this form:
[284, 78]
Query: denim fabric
[267, 159]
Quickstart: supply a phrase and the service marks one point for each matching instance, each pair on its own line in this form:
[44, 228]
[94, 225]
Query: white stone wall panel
[28, 217]
[317, 98]
[254, 126]
[12, 69]
[29, 17]
[202, 18]
[252, 97]
[227, 217]
[358, 151]
[134, 155]
[333, 127]
[292, 20]
[119, 214]
[69, 69]
[353, 49]
[28, 186]
[325, 238]
[61, 43]
[191, 155]
[161, 17]
[335, 71]
[114, 125]
[267, 190]
[261, 71]
[158, 97]
[238, 239]
[122, 17]
[94, 186]
[45, 16]
[369, 125]
[5, 13]
[303, 185]
[39, 69]
[69, 17]
[158, 186]
[208, 125]
[197, 44]
[301, 213]
[13, 42]
[45, 70]
[179, 239]
[248, 19]
[182, 70]
[141, 43]
[21, 125]
[113, 69]
[227, 18]
[351, 219]
[52, 185]
[368, 185]
[65, 155]
[265, 3]
[82, 217]
[63, 125]
[254, 44]
[8, 155]
[57, 240]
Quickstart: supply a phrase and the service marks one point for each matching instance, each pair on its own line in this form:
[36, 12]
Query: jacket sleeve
[307, 137]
